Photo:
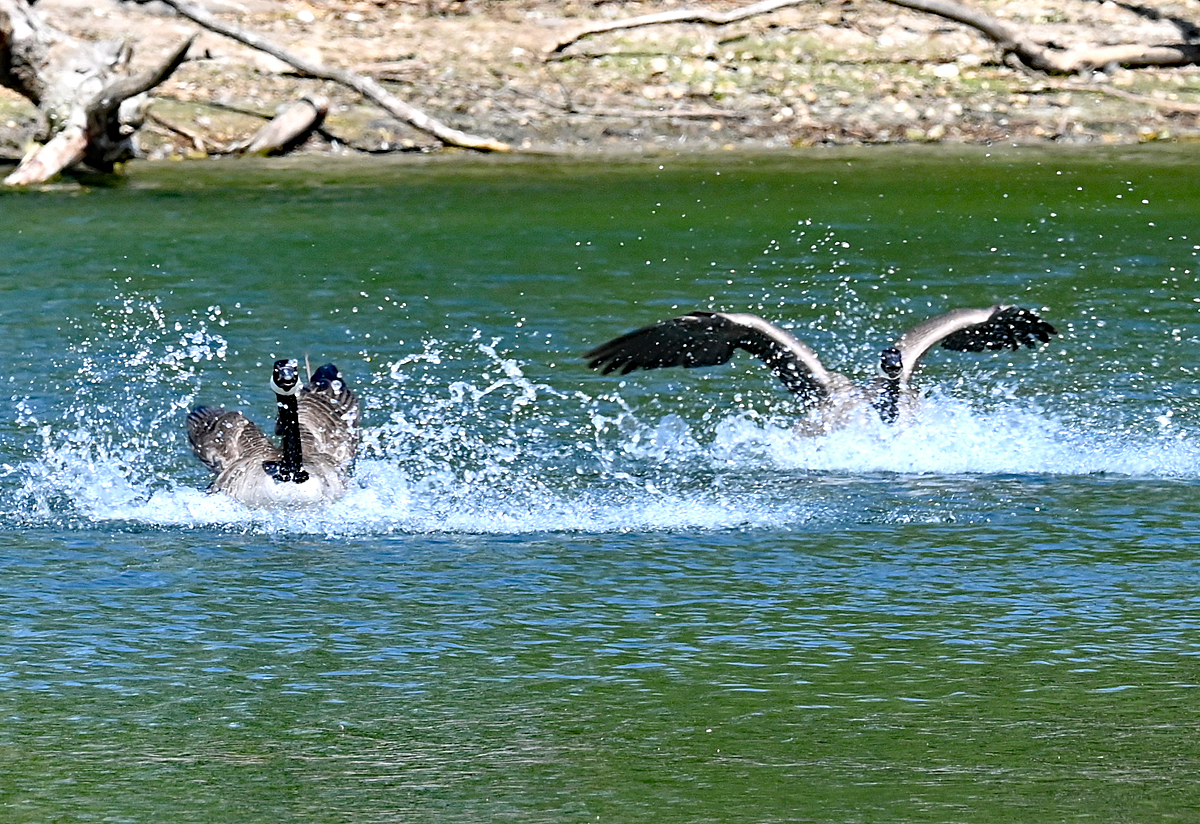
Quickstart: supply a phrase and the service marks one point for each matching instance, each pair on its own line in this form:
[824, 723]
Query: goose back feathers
[318, 428]
[711, 338]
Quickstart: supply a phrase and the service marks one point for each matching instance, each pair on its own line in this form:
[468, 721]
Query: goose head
[285, 378]
[891, 364]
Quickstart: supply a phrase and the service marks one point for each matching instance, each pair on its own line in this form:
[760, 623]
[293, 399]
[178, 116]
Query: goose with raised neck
[318, 429]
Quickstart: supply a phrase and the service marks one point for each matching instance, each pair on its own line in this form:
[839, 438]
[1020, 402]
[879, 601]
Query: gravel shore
[819, 73]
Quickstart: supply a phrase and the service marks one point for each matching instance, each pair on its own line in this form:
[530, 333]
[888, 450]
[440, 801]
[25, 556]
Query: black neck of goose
[288, 427]
[888, 402]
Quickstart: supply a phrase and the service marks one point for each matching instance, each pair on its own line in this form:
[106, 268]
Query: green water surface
[563, 597]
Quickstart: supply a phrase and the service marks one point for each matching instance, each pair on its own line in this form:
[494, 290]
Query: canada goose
[710, 338]
[317, 426]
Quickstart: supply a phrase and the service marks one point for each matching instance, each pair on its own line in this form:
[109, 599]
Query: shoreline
[321, 168]
[804, 76]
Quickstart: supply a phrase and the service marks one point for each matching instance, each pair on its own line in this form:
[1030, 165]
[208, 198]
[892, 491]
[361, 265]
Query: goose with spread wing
[711, 338]
[318, 429]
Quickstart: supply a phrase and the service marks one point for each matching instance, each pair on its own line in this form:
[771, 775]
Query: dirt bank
[826, 72]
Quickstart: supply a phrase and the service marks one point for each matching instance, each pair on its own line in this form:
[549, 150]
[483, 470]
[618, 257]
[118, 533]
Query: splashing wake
[458, 439]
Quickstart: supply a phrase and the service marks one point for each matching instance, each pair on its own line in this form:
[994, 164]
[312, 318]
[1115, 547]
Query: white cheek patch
[275, 387]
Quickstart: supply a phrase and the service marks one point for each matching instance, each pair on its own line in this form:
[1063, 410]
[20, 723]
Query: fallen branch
[289, 129]
[103, 110]
[1043, 58]
[1026, 50]
[363, 85]
[632, 113]
[62, 151]
[1168, 106]
[710, 18]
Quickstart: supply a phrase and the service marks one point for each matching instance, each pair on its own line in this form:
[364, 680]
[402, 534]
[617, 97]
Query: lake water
[557, 596]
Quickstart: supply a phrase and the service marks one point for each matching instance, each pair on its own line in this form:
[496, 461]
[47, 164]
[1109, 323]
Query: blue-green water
[558, 596]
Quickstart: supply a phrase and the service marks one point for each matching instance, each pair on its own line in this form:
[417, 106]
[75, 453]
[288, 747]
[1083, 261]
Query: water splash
[952, 438]
[460, 439]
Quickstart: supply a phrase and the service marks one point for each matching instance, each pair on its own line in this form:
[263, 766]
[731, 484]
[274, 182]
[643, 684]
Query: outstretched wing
[219, 438]
[709, 339]
[973, 330]
[329, 417]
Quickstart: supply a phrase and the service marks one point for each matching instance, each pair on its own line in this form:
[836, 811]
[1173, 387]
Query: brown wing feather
[329, 417]
[219, 438]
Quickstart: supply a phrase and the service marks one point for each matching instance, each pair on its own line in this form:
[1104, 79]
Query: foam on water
[660, 476]
[952, 438]
[459, 439]
[386, 501]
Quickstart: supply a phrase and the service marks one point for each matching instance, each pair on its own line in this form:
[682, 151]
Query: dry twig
[711, 18]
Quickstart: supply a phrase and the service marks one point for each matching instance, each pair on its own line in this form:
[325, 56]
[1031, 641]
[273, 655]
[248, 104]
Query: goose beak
[285, 379]
[891, 364]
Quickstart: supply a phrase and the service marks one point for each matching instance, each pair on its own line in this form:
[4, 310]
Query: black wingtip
[1009, 327]
[608, 358]
[595, 359]
[1028, 328]
[608, 365]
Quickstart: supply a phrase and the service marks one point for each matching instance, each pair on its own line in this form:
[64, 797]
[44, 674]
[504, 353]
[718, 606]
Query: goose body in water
[318, 430]
[711, 338]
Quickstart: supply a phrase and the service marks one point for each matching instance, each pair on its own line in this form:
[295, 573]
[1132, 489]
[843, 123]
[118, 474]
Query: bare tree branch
[1056, 61]
[102, 111]
[995, 30]
[1168, 106]
[363, 85]
[1011, 40]
[711, 18]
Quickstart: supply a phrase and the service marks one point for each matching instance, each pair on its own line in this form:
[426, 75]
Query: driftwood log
[1014, 44]
[90, 103]
[287, 130]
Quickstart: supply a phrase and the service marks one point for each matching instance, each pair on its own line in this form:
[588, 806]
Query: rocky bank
[826, 72]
